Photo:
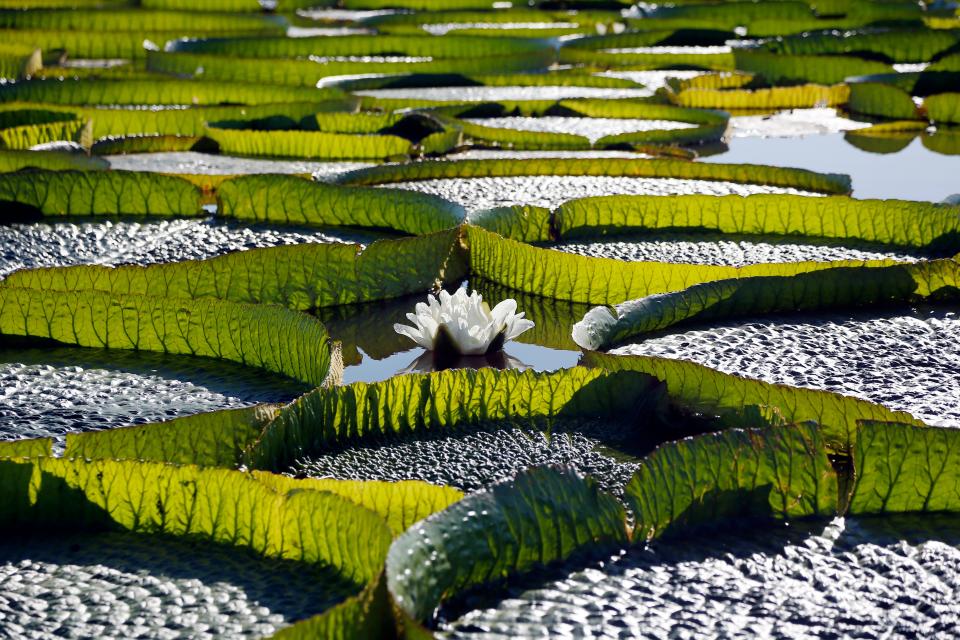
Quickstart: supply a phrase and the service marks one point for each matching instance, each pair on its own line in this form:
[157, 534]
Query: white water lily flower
[465, 322]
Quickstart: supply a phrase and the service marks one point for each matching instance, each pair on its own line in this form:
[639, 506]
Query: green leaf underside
[786, 69]
[592, 52]
[944, 107]
[26, 128]
[659, 168]
[294, 200]
[916, 83]
[214, 439]
[217, 505]
[448, 46]
[317, 528]
[900, 468]
[401, 503]
[83, 193]
[117, 121]
[893, 222]
[317, 145]
[261, 198]
[28, 448]
[895, 45]
[15, 160]
[704, 390]
[414, 404]
[798, 97]
[116, 145]
[307, 73]
[268, 337]
[877, 99]
[542, 516]
[566, 276]
[834, 288]
[302, 277]
[217, 438]
[19, 60]
[114, 20]
[521, 223]
[91, 43]
[778, 472]
[155, 91]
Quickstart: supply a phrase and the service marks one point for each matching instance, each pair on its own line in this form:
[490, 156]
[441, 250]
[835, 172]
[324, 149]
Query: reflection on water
[515, 355]
[897, 167]
[439, 361]
[373, 351]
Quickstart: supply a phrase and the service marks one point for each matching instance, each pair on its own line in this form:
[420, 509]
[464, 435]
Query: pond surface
[122, 585]
[373, 351]
[857, 578]
[914, 173]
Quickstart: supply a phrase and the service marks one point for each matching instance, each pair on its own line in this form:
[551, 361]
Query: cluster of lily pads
[545, 156]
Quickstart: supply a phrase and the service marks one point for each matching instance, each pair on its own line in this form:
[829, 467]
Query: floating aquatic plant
[758, 453]
[463, 323]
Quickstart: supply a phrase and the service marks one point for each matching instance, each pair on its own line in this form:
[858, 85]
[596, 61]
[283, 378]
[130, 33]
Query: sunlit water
[914, 173]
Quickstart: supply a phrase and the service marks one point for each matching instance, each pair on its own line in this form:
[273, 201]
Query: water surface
[913, 173]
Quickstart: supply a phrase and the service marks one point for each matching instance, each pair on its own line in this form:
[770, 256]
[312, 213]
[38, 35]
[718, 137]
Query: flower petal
[502, 312]
[414, 334]
[517, 325]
